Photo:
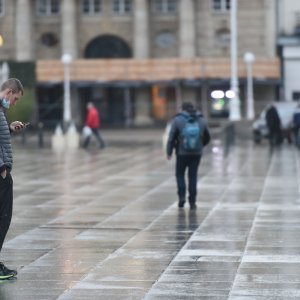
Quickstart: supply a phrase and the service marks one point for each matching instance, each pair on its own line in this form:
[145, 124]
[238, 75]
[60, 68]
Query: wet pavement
[105, 224]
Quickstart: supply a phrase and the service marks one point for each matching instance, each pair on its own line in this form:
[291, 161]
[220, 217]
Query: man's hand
[169, 157]
[16, 126]
[3, 174]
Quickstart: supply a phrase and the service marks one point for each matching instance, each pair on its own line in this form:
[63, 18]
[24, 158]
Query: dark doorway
[50, 105]
[107, 46]
[111, 103]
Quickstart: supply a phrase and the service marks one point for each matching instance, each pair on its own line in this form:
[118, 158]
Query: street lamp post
[234, 106]
[249, 59]
[66, 60]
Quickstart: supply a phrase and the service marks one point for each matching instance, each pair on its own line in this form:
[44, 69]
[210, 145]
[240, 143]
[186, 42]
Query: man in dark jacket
[187, 158]
[274, 125]
[10, 92]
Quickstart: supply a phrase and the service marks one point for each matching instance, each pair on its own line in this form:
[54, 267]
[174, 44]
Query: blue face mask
[5, 103]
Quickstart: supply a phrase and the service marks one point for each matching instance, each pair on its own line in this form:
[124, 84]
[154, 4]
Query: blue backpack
[191, 134]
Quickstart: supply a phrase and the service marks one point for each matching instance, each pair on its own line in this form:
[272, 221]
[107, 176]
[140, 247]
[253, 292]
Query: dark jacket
[175, 140]
[6, 159]
[273, 119]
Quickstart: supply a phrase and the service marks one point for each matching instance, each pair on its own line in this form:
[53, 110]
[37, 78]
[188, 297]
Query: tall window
[47, 7]
[91, 7]
[122, 7]
[1, 8]
[221, 5]
[164, 6]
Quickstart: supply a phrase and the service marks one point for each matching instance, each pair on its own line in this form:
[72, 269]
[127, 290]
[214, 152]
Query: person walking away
[188, 135]
[93, 122]
[296, 125]
[274, 125]
[10, 92]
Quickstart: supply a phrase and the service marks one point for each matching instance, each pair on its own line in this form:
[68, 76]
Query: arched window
[107, 46]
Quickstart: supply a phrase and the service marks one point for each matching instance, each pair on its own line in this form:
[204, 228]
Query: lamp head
[249, 57]
[66, 58]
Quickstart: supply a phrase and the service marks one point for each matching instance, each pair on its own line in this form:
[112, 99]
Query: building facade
[146, 31]
[288, 42]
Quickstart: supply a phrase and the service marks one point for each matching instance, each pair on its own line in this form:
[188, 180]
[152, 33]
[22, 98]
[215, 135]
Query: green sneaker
[6, 273]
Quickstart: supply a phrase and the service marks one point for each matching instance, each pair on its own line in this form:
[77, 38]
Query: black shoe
[193, 206]
[181, 203]
[6, 273]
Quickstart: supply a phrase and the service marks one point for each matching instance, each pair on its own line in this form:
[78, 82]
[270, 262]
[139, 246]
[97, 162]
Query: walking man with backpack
[188, 135]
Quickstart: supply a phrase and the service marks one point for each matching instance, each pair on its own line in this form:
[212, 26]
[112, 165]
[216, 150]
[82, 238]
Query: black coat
[273, 119]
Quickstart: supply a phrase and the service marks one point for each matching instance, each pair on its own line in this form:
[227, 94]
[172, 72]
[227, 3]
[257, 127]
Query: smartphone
[24, 126]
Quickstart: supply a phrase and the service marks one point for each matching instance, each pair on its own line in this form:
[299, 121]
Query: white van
[286, 111]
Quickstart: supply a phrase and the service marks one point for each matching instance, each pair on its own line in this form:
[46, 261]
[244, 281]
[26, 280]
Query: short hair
[90, 104]
[188, 106]
[14, 84]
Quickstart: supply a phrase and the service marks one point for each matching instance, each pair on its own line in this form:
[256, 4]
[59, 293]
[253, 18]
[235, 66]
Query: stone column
[187, 45]
[69, 28]
[141, 29]
[24, 39]
[141, 50]
[270, 27]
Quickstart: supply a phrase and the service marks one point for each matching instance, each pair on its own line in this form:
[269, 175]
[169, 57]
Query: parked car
[285, 110]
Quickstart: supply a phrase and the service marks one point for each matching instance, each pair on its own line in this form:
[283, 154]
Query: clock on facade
[49, 39]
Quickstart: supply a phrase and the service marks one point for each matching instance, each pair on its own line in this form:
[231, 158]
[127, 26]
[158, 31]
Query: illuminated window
[47, 7]
[1, 8]
[221, 5]
[164, 6]
[122, 7]
[1, 40]
[91, 7]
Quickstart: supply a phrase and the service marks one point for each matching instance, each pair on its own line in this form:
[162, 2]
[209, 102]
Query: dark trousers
[97, 134]
[275, 136]
[190, 162]
[6, 205]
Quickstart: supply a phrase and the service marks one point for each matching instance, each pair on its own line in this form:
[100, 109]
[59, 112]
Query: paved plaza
[105, 224]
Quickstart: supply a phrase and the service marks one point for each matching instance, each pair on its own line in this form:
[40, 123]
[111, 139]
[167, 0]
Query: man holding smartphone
[10, 92]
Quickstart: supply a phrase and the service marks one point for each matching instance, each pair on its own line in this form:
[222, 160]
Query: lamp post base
[69, 140]
[234, 112]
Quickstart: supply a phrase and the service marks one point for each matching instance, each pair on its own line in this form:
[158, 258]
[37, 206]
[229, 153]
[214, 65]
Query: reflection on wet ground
[105, 225]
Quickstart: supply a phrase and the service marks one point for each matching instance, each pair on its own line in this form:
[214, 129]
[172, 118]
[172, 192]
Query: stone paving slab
[105, 224]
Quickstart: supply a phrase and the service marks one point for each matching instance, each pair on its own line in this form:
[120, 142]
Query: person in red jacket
[93, 122]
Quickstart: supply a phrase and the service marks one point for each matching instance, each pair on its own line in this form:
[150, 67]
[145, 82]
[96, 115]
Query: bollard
[229, 131]
[41, 134]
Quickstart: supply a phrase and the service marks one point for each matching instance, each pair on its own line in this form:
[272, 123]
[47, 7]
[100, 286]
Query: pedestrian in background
[188, 135]
[296, 125]
[93, 122]
[274, 126]
[11, 91]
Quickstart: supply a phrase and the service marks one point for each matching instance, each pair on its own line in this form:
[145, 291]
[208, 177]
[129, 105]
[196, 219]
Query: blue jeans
[190, 162]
